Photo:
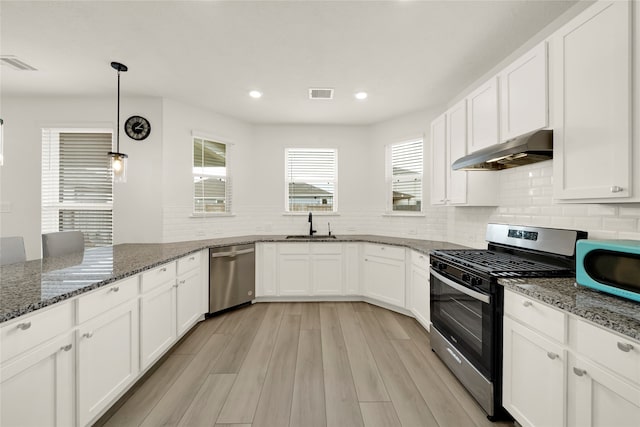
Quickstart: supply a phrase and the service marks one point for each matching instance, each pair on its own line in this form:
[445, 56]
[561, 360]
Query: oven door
[465, 317]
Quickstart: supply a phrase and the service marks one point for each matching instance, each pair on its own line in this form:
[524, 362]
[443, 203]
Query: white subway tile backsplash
[602, 210]
[629, 236]
[620, 224]
[630, 211]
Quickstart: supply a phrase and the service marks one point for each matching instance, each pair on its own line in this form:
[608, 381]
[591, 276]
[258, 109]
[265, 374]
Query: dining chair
[62, 243]
[12, 250]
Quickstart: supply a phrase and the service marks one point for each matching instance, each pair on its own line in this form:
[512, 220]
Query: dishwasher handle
[232, 254]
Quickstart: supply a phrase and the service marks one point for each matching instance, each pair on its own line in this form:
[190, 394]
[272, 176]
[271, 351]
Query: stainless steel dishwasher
[232, 271]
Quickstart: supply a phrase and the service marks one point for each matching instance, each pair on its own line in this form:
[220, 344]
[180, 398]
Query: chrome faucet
[311, 230]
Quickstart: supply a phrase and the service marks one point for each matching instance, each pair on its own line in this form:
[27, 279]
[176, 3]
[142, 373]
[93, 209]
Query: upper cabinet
[523, 94]
[592, 105]
[482, 115]
[457, 147]
[439, 160]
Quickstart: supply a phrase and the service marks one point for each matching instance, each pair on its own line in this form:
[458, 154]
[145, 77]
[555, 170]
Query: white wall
[137, 213]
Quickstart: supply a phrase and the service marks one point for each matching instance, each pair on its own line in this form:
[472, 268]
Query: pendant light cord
[118, 119]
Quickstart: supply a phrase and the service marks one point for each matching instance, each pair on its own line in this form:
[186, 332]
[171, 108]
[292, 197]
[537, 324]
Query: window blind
[311, 176]
[406, 176]
[211, 183]
[77, 192]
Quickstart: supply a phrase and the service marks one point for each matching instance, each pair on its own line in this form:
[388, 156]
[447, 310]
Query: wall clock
[137, 128]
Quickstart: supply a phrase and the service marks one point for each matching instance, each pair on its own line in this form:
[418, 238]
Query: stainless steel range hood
[529, 148]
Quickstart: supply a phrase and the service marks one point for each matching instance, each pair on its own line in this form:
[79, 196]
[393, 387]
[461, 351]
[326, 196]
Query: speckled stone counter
[29, 286]
[618, 314]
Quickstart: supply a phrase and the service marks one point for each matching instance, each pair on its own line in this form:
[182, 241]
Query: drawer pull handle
[163, 270]
[616, 189]
[114, 289]
[182, 282]
[455, 356]
[66, 347]
[579, 372]
[552, 356]
[24, 326]
[527, 303]
[625, 347]
[87, 335]
[192, 258]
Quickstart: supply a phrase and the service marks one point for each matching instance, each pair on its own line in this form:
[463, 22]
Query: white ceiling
[409, 55]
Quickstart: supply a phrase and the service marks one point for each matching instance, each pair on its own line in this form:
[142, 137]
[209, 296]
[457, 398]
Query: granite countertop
[29, 286]
[618, 314]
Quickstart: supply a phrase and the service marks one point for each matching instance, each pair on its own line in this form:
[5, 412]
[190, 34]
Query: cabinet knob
[552, 356]
[66, 347]
[114, 289]
[182, 282]
[527, 303]
[625, 347]
[192, 258]
[616, 189]
[163, 269]
[24, 326]
[579, 372]
[87, 335]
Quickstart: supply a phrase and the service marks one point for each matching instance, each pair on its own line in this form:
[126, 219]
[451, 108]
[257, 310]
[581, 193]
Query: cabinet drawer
[326, 248]
[105, 298]
[614, 352]
[190, 262]
[536, 315]
[156, 277]
[420, 260]
[293, 248]
[384, 251]
[31, 330]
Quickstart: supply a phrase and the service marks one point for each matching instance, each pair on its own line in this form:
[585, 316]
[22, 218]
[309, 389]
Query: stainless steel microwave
[611, 266]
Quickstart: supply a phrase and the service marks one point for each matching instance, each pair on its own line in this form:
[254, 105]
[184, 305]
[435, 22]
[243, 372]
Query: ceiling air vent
[320, 93]
[15, 63]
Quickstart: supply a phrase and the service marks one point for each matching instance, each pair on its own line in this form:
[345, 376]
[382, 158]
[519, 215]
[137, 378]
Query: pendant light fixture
[118, 159]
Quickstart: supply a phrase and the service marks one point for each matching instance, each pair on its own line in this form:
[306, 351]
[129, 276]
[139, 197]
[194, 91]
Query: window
[405, 176]
[77, 189]
[311, 179]
[211, 182]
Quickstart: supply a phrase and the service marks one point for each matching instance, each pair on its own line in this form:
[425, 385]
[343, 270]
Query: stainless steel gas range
[467, 302]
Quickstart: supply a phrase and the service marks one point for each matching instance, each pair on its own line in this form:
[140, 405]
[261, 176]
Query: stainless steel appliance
[467, 302]
[232, 275]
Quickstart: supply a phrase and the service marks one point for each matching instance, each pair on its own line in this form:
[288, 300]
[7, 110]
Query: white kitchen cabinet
[38, 387]
[483, 116]
[523, 94]
[533, 377]
[456, 148]
[266, 269]
[107, 358]
[188, 295]
[294, 269]
[592, 104]
[384, 274]
[419, 298]
[327, 269]
[439, 163]
[157, 322]
[352, 268]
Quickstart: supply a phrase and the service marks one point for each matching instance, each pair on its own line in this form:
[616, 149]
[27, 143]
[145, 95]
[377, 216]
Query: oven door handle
[473, 294]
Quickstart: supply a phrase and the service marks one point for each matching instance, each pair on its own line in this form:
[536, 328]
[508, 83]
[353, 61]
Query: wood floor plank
[310, 316]
[367, 379]
[180, 394]
[243, 398]
[414, 329]
[440, 400]
[236, 350]
[206, 405]
[294, 308]
[410, 406]
[196, 339]
[379, 414]
[233, 320]
[274, 406]
[308, 405]
[389, 324]
[147, 395]
[233, 425]
[361, 306]
[341, 399]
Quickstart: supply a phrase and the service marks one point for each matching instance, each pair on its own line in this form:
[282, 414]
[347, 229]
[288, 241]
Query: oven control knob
[466, 277]
[476, 281]
[442, 266]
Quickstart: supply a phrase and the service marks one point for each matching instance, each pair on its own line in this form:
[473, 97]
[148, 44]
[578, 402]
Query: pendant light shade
[118, 159]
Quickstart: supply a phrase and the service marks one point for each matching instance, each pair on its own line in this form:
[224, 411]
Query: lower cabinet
[188, 304]
[107, 358]
[304, 269]
[420, 294]
[37, 388]
[294, 272]
[383, 279]
[157, 322]
[326, 269]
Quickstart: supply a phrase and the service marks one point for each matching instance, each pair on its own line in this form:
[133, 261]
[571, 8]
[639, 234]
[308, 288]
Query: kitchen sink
[314, 237]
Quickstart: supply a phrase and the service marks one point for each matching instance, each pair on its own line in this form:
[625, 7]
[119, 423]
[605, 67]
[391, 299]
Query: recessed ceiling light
[255, 94]
[361, 95]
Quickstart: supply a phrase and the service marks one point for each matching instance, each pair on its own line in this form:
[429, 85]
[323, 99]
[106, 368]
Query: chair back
[12, 250]
[62, 243]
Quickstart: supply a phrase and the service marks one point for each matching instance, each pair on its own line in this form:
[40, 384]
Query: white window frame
[287, 211]
[390, 179]
[228, 186]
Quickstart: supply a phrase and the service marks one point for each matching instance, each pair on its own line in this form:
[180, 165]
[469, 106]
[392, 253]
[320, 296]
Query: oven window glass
[464, 314]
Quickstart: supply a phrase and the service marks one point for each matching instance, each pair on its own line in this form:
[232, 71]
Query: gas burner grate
[499, 263]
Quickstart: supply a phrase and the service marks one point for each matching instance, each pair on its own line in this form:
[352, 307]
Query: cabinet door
[420, 296]
[352, 266]
[293, 274]
[384, 280]
[523, 94]
[439, 161]
[592, 104]
[266, 263]
[483, 124]
[456, 148]
[326, 274]
[533, 377]
[157, 323]
[188, 301]
[37, 388]
[107, 358]
[601, 399]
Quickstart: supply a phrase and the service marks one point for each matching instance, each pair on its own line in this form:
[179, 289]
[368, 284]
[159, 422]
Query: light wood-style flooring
[301, 364]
